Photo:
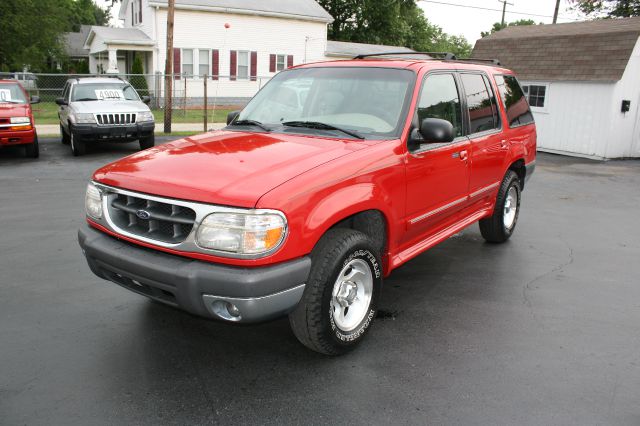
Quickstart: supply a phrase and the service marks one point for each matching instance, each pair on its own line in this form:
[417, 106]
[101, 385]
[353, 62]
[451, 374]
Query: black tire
[494, 229]
[64, 137]
[148, 142]
[78, 146]
[33, 149]
[313, 321]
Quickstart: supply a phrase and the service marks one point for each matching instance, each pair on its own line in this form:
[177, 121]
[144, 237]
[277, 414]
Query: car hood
[14, 110]
[223, 167]
[108, 106]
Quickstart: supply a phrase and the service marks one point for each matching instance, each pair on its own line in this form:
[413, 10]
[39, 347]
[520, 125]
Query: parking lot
[544, 329]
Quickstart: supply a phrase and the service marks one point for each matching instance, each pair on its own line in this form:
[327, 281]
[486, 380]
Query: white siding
[305, 40]
[148, 18]
[583, 118]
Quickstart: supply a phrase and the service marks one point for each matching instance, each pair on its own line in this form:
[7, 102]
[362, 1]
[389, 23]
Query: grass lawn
[47, 113]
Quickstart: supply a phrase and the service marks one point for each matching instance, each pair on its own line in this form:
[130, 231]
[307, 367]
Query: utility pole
[504, 9]
[168, 74]
[555, 13]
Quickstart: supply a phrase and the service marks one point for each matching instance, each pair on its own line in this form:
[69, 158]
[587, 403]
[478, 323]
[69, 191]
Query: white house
[242, 43]
[582, 80]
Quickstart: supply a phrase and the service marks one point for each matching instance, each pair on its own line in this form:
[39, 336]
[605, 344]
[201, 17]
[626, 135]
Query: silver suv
[103, 109]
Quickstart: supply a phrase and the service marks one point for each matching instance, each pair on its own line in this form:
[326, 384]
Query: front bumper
[17, 137]
[93, 132]
[198, 287]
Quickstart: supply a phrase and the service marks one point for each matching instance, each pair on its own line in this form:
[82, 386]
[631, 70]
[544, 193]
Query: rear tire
[78, 146]
[32, 150]
[500, 226]
[340, 298]
[64, 137]
[148, 142]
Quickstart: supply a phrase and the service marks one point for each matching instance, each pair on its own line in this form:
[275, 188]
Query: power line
[490, 9]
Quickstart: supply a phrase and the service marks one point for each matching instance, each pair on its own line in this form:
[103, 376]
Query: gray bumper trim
[182, 282]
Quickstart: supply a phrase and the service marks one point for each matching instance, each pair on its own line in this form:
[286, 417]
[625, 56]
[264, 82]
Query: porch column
[113, 61]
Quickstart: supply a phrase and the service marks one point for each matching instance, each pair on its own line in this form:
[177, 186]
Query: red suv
[17, 126]
[333, 175]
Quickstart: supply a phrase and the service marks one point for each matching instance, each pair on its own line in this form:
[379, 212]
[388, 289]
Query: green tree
[138, 80]
[392, 22]
[31, 30]
[499, 26]
[609, 8]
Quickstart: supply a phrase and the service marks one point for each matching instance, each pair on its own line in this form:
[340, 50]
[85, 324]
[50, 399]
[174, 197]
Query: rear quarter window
[515, 102]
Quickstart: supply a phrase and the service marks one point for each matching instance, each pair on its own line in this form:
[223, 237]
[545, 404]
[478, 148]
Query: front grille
[116, 119]
[154, 220]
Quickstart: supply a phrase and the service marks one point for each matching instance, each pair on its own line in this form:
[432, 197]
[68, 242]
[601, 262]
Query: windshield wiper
[10, 101]
[322, 126]
[84, 99]
[251, 123]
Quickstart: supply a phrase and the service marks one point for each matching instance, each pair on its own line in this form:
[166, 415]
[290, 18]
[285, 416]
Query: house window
[243, 65]
[203, 62]
[136, 12]
[187, 62]
[536, 94]
[281, 62]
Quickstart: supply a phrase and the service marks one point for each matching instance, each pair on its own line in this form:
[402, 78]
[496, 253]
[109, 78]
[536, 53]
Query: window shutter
[272, 63]
[139, 11]
[176, 63]
[254, 66]
[289, 61]
[233, 65]
[133, 15]
[215, 63]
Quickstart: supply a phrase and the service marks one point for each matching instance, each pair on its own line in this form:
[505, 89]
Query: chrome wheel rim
[510, 207]
[351, 296]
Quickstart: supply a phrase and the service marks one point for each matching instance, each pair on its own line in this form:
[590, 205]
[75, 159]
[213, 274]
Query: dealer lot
[544, 329]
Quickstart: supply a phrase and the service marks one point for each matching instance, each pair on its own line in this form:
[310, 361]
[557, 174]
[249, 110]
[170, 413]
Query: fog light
[225, 310]
[233, 310]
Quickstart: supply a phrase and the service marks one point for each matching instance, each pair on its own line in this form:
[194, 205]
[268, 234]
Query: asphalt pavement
[542, 330]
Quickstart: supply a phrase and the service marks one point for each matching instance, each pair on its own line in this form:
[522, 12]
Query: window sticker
[108, 94]
[5, 95]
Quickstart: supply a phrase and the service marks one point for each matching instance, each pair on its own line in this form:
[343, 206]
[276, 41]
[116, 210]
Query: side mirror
[35, 99]
[146, 99]
[61, 101]
[436, 130]
[232, 116]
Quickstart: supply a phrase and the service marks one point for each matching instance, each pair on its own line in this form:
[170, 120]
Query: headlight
[145, 116]
[253, 233]
[83, 118]
[20, 120]
[93, 202]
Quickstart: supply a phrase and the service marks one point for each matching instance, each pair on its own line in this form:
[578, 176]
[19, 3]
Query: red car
[333, 175]
[17, 126]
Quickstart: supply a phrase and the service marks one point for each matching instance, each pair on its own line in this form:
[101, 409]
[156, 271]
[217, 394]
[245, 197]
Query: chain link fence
[194, 98]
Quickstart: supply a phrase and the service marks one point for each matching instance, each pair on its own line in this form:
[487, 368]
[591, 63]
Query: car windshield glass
[12, 93]
[369, 102]
[103, 92]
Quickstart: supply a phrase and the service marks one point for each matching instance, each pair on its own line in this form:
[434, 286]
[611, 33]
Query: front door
[437, 174]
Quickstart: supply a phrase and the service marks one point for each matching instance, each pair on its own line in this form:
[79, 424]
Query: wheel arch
[518, 166]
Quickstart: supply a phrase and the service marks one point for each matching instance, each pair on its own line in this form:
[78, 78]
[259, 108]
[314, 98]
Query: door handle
[463, 155]
[504, 144]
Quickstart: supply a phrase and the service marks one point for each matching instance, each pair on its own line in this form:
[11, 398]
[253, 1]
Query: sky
[470, 21]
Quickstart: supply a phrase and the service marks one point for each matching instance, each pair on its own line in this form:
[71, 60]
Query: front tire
[500, 226]
[148, 142]
[64, 137]
[340, 298]
[32, 150]
[78, 146]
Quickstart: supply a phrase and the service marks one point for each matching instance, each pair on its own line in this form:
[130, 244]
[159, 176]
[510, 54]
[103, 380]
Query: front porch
[113, 50]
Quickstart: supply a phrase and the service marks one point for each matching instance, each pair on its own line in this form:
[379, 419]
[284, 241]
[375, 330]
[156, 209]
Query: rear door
[437, 174]
[489, 147]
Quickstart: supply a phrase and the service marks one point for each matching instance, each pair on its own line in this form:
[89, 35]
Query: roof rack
[437, 56]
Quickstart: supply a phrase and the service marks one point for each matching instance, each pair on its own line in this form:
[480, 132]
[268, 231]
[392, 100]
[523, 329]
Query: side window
[482, 109]
[515, 102]
[440, 99]
[65, 91]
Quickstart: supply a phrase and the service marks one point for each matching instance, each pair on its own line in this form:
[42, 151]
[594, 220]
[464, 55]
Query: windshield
[103, 92]
[12, 93]
[369, 101]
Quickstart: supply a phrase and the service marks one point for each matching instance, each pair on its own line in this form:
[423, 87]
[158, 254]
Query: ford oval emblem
[143, 214]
